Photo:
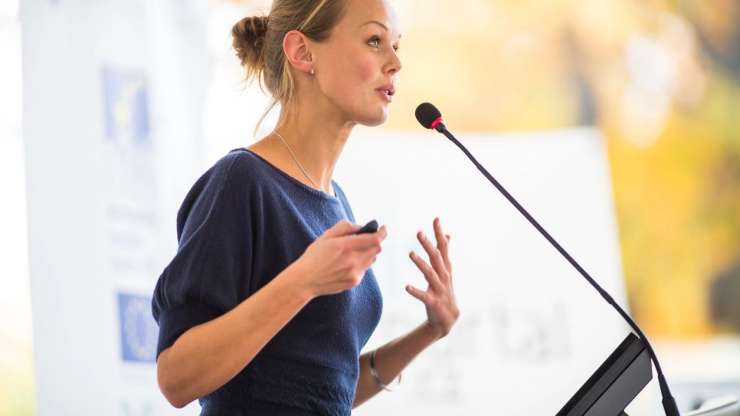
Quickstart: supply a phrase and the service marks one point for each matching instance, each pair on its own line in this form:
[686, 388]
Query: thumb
[341, 228]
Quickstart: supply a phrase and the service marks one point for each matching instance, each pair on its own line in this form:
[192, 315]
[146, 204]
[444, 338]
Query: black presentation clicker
[369, 228]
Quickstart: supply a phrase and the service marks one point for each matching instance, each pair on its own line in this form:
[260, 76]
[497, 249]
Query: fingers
[341, 228]
[366, 241]
[435, 256]
[417, 293]
[427, 270]
[443, 241]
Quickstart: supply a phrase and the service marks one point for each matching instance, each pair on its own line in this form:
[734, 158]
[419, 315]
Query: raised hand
[439, 297]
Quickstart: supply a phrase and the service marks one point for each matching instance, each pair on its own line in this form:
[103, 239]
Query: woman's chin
[375, 119]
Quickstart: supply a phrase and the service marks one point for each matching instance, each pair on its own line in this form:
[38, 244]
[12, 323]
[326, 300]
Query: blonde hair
[258, 42]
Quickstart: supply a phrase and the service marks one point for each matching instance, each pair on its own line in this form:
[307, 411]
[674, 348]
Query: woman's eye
[374, 42]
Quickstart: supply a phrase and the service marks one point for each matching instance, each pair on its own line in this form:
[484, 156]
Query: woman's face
[356, 66]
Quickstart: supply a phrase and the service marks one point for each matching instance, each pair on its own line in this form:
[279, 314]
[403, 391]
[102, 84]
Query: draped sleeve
[211, 271]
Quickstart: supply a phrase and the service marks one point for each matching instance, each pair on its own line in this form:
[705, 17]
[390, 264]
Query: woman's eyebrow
[377, 23]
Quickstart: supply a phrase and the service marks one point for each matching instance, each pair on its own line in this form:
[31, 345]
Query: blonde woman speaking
[270, 297]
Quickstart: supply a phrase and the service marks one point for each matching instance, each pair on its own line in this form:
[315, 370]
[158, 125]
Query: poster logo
[125, 105]
[137, 328]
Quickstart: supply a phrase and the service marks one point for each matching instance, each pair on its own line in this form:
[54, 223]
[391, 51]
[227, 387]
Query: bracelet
[374, 372]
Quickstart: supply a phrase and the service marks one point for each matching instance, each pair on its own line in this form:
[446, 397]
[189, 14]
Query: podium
[615, 383]
[622, 376]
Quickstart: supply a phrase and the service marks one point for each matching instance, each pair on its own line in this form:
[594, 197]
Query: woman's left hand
[439, 298]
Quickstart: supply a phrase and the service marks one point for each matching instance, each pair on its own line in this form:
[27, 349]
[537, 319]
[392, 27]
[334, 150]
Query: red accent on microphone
[436, 122]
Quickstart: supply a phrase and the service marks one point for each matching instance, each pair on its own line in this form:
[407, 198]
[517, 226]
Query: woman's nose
[395, 64]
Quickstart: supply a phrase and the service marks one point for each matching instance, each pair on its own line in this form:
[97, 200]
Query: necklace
[296, 160]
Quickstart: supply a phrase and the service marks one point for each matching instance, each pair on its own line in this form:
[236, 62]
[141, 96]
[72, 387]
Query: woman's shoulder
[238, 169]
[238, 165]
[228, 182]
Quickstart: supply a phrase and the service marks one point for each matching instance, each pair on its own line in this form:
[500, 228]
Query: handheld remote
[368, 228]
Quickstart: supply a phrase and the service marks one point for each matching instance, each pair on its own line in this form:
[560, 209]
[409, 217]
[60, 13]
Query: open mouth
[387, 93]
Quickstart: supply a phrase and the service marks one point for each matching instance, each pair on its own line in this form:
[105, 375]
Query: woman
[270, 298]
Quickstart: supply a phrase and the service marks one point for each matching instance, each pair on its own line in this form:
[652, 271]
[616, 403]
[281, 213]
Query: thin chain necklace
[296, 160]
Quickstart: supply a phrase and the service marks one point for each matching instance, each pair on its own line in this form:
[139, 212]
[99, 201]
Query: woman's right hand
[338, 259]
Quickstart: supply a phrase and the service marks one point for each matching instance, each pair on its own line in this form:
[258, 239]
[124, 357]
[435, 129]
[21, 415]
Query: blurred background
[659, 79]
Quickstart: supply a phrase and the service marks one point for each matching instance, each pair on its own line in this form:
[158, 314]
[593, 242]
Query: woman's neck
[316, 141]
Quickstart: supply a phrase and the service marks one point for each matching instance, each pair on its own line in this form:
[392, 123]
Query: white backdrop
[531, 329]
[112, 122]
[114, 96]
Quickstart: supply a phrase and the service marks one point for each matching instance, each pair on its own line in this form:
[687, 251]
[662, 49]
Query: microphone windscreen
[426, 113]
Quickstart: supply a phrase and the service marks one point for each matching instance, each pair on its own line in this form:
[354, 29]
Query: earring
[312, 71]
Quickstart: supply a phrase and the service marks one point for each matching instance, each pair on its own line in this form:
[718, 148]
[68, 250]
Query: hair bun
[248, 40]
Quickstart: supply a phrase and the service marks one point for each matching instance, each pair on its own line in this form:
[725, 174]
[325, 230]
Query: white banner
[113, 103]
[531, 329]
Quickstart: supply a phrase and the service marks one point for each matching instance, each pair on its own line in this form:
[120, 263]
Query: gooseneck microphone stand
[431, 118]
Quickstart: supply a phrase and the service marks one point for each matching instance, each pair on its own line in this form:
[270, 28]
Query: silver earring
[312, 71]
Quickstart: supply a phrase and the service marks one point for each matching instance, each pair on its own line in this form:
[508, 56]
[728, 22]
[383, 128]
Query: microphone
[430, 117]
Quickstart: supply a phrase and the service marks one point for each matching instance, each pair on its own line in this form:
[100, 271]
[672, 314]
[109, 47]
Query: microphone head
[428, 115]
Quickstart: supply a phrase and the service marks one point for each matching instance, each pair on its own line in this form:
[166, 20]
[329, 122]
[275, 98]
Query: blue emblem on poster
[126, 104]
[137, 328]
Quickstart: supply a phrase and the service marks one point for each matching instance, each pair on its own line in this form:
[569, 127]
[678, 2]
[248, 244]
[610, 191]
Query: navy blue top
[241, 224]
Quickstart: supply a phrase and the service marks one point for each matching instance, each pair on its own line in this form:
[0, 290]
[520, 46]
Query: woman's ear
[296, 47]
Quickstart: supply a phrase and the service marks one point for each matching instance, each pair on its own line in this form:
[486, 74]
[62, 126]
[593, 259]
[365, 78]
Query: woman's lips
[386, 94]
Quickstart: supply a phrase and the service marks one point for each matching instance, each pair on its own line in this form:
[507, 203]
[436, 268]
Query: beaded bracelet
[374, 372]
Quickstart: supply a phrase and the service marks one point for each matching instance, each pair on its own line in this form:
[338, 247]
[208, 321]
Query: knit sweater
[242, 223]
